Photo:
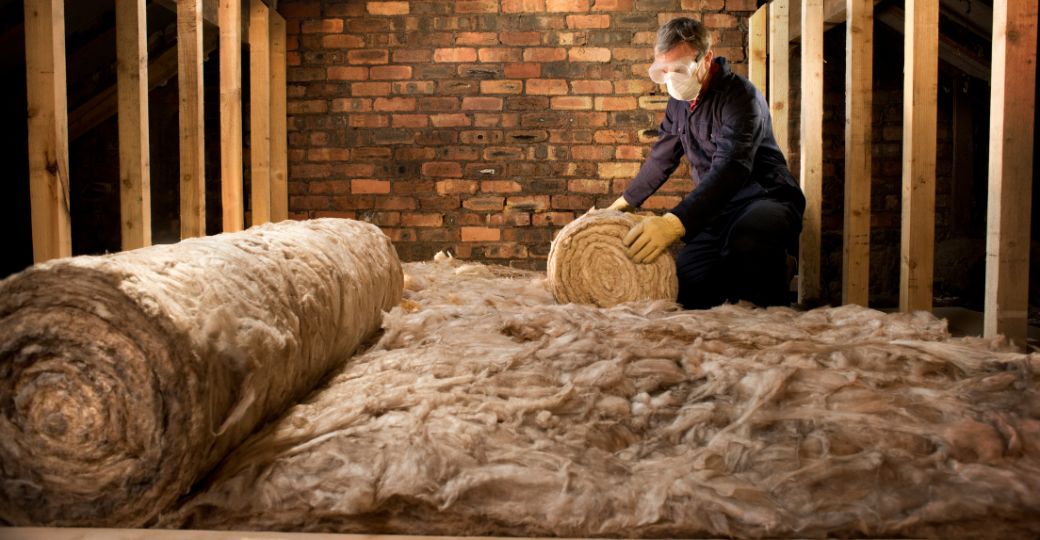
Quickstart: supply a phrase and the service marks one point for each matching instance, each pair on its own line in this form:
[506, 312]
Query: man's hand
[620, 205]
[651, 236]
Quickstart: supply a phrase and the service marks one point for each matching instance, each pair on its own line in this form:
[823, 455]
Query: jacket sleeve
[660, 164]
[738, 139]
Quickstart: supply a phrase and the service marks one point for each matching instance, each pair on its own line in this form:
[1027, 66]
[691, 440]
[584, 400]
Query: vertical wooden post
[48, 129]
[920, 102]
[279, 134]
[757, 60]
[260, 111]
[1012, 104]
[229, 15]
[811, 149]
[779, 71]
[135, 202]
[859, 53]
[192, 118]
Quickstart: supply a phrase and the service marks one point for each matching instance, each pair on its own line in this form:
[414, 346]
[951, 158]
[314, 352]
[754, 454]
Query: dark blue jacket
[728, 140]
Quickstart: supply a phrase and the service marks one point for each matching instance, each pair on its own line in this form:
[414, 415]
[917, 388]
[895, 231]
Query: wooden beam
[230, 15]
[920, 102]
[192, 118]
[949, 51]
[757, 59]
[208, 7]
[279, 133]
[859, 59]
[135, 203]
[48, 125]
[260, 111]
[1012, 109]
[779, 72]
[811, 150]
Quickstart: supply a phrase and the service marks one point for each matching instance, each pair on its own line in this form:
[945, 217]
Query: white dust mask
[683, 88]
[680, 76]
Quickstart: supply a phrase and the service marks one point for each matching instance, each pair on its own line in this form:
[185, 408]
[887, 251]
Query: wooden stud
[135, 204]
[757, 41]
[279, 134]
[858, 131]
[260, 111]
[920, 102]
[48, 129]
[1012, 109]
[229, 13]
[811, 157]
[192, 118]
[779, 72]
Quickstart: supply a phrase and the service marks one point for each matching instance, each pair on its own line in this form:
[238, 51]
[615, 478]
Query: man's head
[681, 57]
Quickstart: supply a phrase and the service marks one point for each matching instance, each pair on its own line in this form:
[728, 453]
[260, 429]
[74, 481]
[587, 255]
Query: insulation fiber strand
[125, 378]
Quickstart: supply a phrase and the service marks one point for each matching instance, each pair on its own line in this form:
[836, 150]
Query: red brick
[588, 21]
[322, 26]
[536, 203]
[370, 89]
[309, 202]
[413, 87]
[306, 107]
[471, 103]
[571, 103]
[615, 103]
[612, 5]
[631, 152]
[329, 187]
[480, 234]
[545, 54]
[634, 86]
[387, 8]
[572, 202]
[438, 104]
[413, 56]
[422, 220]
[618, 169]
[394, 104]
[588, 185]
[455, 54]
[441, 168]
[476, 38]
[355, 169]
[476, 6]
[552, 218]
[498, 54]
[450, 120]
[546, 87]
[520, 38]
[523, 6]
[445, 187]
[391, 72]
[523, 71]
[369, 186]
[702, 5]
[351, 105]
[342, 41]
[501, 87]
[300, 10]
[499, 186]
[591, 87]
[484, 204]
[368, 56]
[368, 120]
[347, 73]
[409, 120]
[592, 152]
[741, 5]
[589, 54]
[567, 5]
[328, 154]
[719, 20]
[335, 214]
[661, 202]
[370, 152]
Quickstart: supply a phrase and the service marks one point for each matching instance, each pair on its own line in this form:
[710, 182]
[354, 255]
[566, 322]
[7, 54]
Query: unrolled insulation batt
[124, 378]
[485, 408]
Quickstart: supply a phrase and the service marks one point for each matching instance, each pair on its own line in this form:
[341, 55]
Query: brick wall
[480, 126]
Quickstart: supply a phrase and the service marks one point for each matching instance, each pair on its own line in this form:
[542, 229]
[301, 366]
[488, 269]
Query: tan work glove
[620, 205]
[651, 236]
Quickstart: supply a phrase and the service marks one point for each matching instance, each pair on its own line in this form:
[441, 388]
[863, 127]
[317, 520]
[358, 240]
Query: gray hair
[683, 30]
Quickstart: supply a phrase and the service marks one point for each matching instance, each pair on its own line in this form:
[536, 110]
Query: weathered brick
[351, 105]
[596, 152]
[342, 41]
[702, 5]
[523, 71]
[719, 20]
[441, 168]
[588, 185]
[480, 234]
[499, 54]
[455, 54]
[501, 87]
[409, 120]
[617, 169]
[530, 203]
[612, 5]
[367, 186]
[567, 5]
[589, 54]
[520, 38]
[368, 56]
[390, 72]
[588, 21]
[449, 120]
[368, 120]
[615, 103]
[347, 73]
[546, 87]
[546, 219]
[394, 104]
[500, 186]
[387, 8]
[322, 26]
[473, 103]
[370, 89]
[476, 38]
[523, 6]
[329, 187]
[591, 87]
[484, 204]
[476, 6]
[422, 220]
[545, 54]
[571, 103]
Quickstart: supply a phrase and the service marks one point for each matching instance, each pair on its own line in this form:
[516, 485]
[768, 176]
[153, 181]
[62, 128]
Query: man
[745, 213]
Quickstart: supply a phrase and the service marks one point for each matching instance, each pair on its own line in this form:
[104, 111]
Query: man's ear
[709, 56]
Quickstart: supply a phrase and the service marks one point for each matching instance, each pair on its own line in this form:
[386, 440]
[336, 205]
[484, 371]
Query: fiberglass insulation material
[486, 408]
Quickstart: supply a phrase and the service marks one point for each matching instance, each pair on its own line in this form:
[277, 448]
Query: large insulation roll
[588, 265]
[125, 378]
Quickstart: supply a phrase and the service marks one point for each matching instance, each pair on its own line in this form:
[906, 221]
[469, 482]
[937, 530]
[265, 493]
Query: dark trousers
[740, 255]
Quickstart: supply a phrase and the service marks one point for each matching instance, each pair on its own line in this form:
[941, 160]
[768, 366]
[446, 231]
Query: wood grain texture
[779, 72]
[859, 53]
[811, 156]
[279, 133]
[229, 14]
[260, 111]
[192, 119]
[758, 63]
[135, 201]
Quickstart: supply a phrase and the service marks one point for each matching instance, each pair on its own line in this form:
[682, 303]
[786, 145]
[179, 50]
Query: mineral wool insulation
[485, 408]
